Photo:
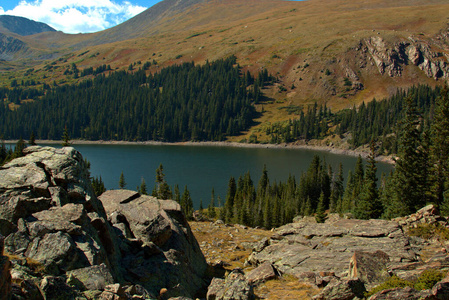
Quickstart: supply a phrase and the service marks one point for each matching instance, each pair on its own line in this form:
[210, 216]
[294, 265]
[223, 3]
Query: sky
[76, 16]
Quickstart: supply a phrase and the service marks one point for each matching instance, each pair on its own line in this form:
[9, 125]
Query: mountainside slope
[22, 26]
[336, 52]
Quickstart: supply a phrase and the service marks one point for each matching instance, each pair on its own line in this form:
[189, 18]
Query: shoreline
[296, 145]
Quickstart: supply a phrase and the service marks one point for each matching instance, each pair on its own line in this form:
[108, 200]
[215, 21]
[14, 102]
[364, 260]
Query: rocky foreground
[62, 242]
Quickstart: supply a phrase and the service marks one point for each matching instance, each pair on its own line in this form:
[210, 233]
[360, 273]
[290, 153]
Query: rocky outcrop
[391, 58]
[306, 247]
[235, 286]
[10, 47]
[158, 233]
[55, 225]
[5, 276]
[347, 289]
[370, 267]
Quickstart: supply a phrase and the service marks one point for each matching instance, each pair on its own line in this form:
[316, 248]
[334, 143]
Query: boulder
[441, 289]
[328, 247]
[93, 278]
[261, 274]
[157, 237]
[235, 286]
[5, 275]
[369, 267]
[56, 288]
[347, 289]
[54, 224]
[406, 293]
[47, 203]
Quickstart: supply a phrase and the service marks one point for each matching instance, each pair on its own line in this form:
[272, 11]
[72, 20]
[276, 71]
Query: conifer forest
[210, 102]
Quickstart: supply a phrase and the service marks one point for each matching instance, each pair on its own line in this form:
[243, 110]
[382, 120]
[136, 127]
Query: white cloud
[75, 16]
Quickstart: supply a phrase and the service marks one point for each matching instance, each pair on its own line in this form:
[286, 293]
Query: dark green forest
[377, 120]
[179, 103]
[421, 177]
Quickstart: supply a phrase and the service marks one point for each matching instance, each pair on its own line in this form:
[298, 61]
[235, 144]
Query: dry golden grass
[295, 40]
[286, 288]
[231, 245]
[226, 242]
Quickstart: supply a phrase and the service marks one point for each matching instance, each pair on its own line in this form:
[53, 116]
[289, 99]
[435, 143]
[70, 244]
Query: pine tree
[18, 150]
[321, 214]
[32, 141]
[98, 186]
[410, 173]
[211, 208]
[122, 182]
[65, 137]
[176, 194]
[187, 202]
[439, 151]
[229, 202]
[162, 188]
[369, 205]
[143, 187]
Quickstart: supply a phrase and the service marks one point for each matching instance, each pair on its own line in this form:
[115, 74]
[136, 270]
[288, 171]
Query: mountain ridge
[310, 46]
[22, 26]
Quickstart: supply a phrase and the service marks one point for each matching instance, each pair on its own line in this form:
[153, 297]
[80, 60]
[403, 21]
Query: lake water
[202, 168]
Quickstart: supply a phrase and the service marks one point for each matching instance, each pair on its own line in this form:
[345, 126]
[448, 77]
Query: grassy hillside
[311, 46]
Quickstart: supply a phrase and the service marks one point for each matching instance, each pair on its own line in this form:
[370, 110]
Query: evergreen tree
[321, 214]
[439, 151]
[176, 194]
[162, 188]
[229, 202]
[211, 208]
[410, 173]
[65, 138]
[98, 186]
[187, 204]
[18, 151]
[32, 141]
[369, 205]
[143, 187]
[121, 181]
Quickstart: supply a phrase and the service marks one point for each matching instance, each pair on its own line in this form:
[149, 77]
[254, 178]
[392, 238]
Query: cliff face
[10, 47]
[391, 58]
[63, 244]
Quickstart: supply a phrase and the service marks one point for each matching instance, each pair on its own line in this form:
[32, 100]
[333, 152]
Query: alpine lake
[203, 168]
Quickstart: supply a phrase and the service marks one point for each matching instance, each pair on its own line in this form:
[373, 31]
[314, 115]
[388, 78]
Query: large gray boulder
[304, 247]
[235, 286]
[52, 214]
[55, 225]
[160, 251]
[5, 276]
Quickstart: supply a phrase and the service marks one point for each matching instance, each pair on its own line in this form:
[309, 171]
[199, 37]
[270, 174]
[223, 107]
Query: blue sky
[76, 16]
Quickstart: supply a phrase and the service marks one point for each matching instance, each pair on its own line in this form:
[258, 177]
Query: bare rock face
[5, 276]
[303, 247]
[235, 286]
[347, 289]
[54, 225]
[370, 267]
[49, 206]
[391, 58]
[161, 239]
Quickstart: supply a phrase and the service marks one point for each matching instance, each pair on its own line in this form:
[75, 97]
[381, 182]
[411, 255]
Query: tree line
[179, 103]
[376, 120]
[421, 177]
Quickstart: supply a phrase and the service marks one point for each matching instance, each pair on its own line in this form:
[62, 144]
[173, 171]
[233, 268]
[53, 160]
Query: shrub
[428, 231]
[428, 278]
[391, 283]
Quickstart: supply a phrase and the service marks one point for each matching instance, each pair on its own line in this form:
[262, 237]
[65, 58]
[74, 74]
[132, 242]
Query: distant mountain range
[22, 26]
[335, 51]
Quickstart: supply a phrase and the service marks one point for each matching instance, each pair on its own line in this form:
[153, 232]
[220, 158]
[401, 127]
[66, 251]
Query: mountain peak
[22, 26]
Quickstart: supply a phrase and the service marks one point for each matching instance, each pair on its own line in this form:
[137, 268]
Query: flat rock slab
[303, 247]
